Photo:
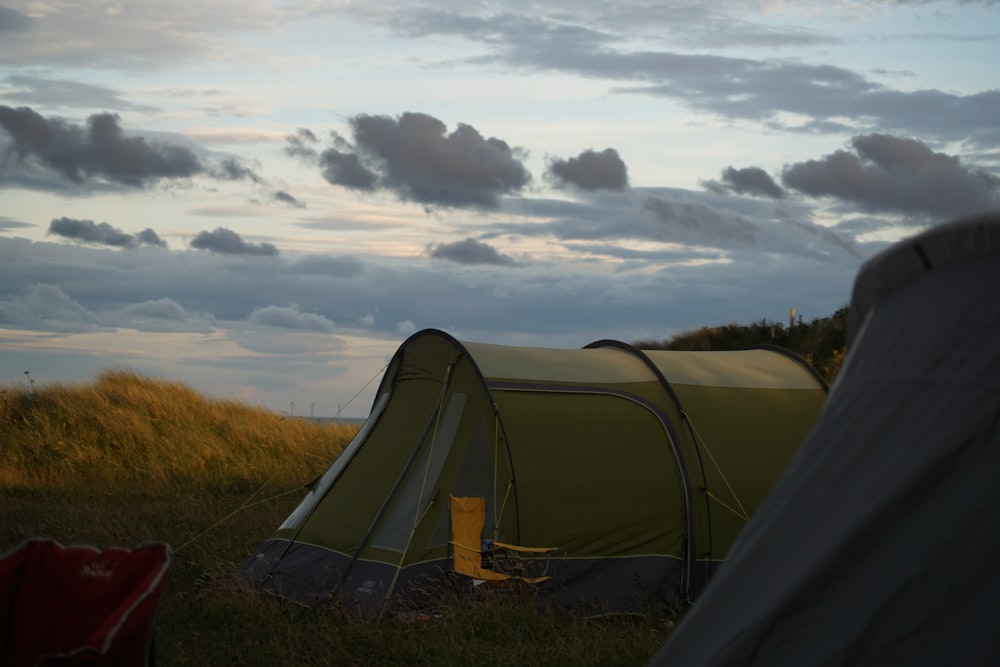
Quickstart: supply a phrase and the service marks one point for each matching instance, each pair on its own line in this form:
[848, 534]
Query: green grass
[128, 459]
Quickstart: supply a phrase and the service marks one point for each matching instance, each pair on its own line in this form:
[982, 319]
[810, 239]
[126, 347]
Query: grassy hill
[126, 430]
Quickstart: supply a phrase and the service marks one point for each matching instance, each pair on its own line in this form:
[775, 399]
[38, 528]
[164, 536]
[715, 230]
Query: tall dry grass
[127, 429]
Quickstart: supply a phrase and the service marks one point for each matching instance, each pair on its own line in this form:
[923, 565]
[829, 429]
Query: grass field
[127, 460]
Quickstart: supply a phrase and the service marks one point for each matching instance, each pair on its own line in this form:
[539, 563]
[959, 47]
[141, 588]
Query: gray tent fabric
[880, 543]
[958, 242]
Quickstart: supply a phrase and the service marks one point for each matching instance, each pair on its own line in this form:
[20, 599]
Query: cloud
[87, 231]
[10, 223]
[48, 305]
[576, 297]
[60, 93]
[469, 251]
[150, 237]
[160, 309]
[286, 198]
[646, 225]
[828, 237]
[416, 158]
[591, 170]
[301, 144]
[328, 266]
[291, 318]
[78, 154]
[230, 169]
[85, 34]
[339, 167]
[765, 90]
[227, 242]
[346, 169]
[698, 223]
[659, 215]
[12, 20]
[752, 181]
[162, 315]
[897, 175]
[690, 24]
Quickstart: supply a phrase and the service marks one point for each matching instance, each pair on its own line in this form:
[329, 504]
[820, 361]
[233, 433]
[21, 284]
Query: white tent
[880, 545]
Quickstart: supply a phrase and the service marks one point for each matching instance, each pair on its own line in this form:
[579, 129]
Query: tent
[602, 475]
[879, 546]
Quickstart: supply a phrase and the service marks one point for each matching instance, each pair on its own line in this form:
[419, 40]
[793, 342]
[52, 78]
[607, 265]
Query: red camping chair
[79, 605]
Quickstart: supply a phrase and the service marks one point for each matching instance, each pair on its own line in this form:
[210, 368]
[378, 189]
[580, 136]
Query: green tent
[606, 476]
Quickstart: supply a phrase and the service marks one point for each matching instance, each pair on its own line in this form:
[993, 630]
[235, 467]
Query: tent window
[324, 483]
[412, 500]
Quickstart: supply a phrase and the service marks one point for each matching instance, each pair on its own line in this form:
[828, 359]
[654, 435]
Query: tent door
[484, 559]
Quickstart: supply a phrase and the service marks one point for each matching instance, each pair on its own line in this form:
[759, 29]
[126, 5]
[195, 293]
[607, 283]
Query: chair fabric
[79, 605]
[468, 517]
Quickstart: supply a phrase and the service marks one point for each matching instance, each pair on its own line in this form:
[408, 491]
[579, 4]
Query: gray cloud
[12, 20]
[227, 242]
[87, 231]
[591, 170]
[345, 169]
[160, 309]
[828, 237]
[81, 154]
[286, 198]
[726, 224]
[327, 266]
[86, 34]
[230, 169]
[48, 305]
[60, 93]
[301, 144]
[752, 181]
[150, 237]
[163, 315]
[227, 287]
[291, 318]
[10, 223]
[643, 258]
[898, 175]
[760, 90]
[573, 298]
[743, 88]
[469, 251]
[415, 157]
[698, 223]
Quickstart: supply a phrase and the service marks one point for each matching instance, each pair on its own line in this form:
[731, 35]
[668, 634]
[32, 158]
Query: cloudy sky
[263, 198]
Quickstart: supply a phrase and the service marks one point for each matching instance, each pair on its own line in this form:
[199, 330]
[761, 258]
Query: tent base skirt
[311, 575]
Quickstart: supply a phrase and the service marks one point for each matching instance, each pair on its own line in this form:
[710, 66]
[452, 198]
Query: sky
[263, 199]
